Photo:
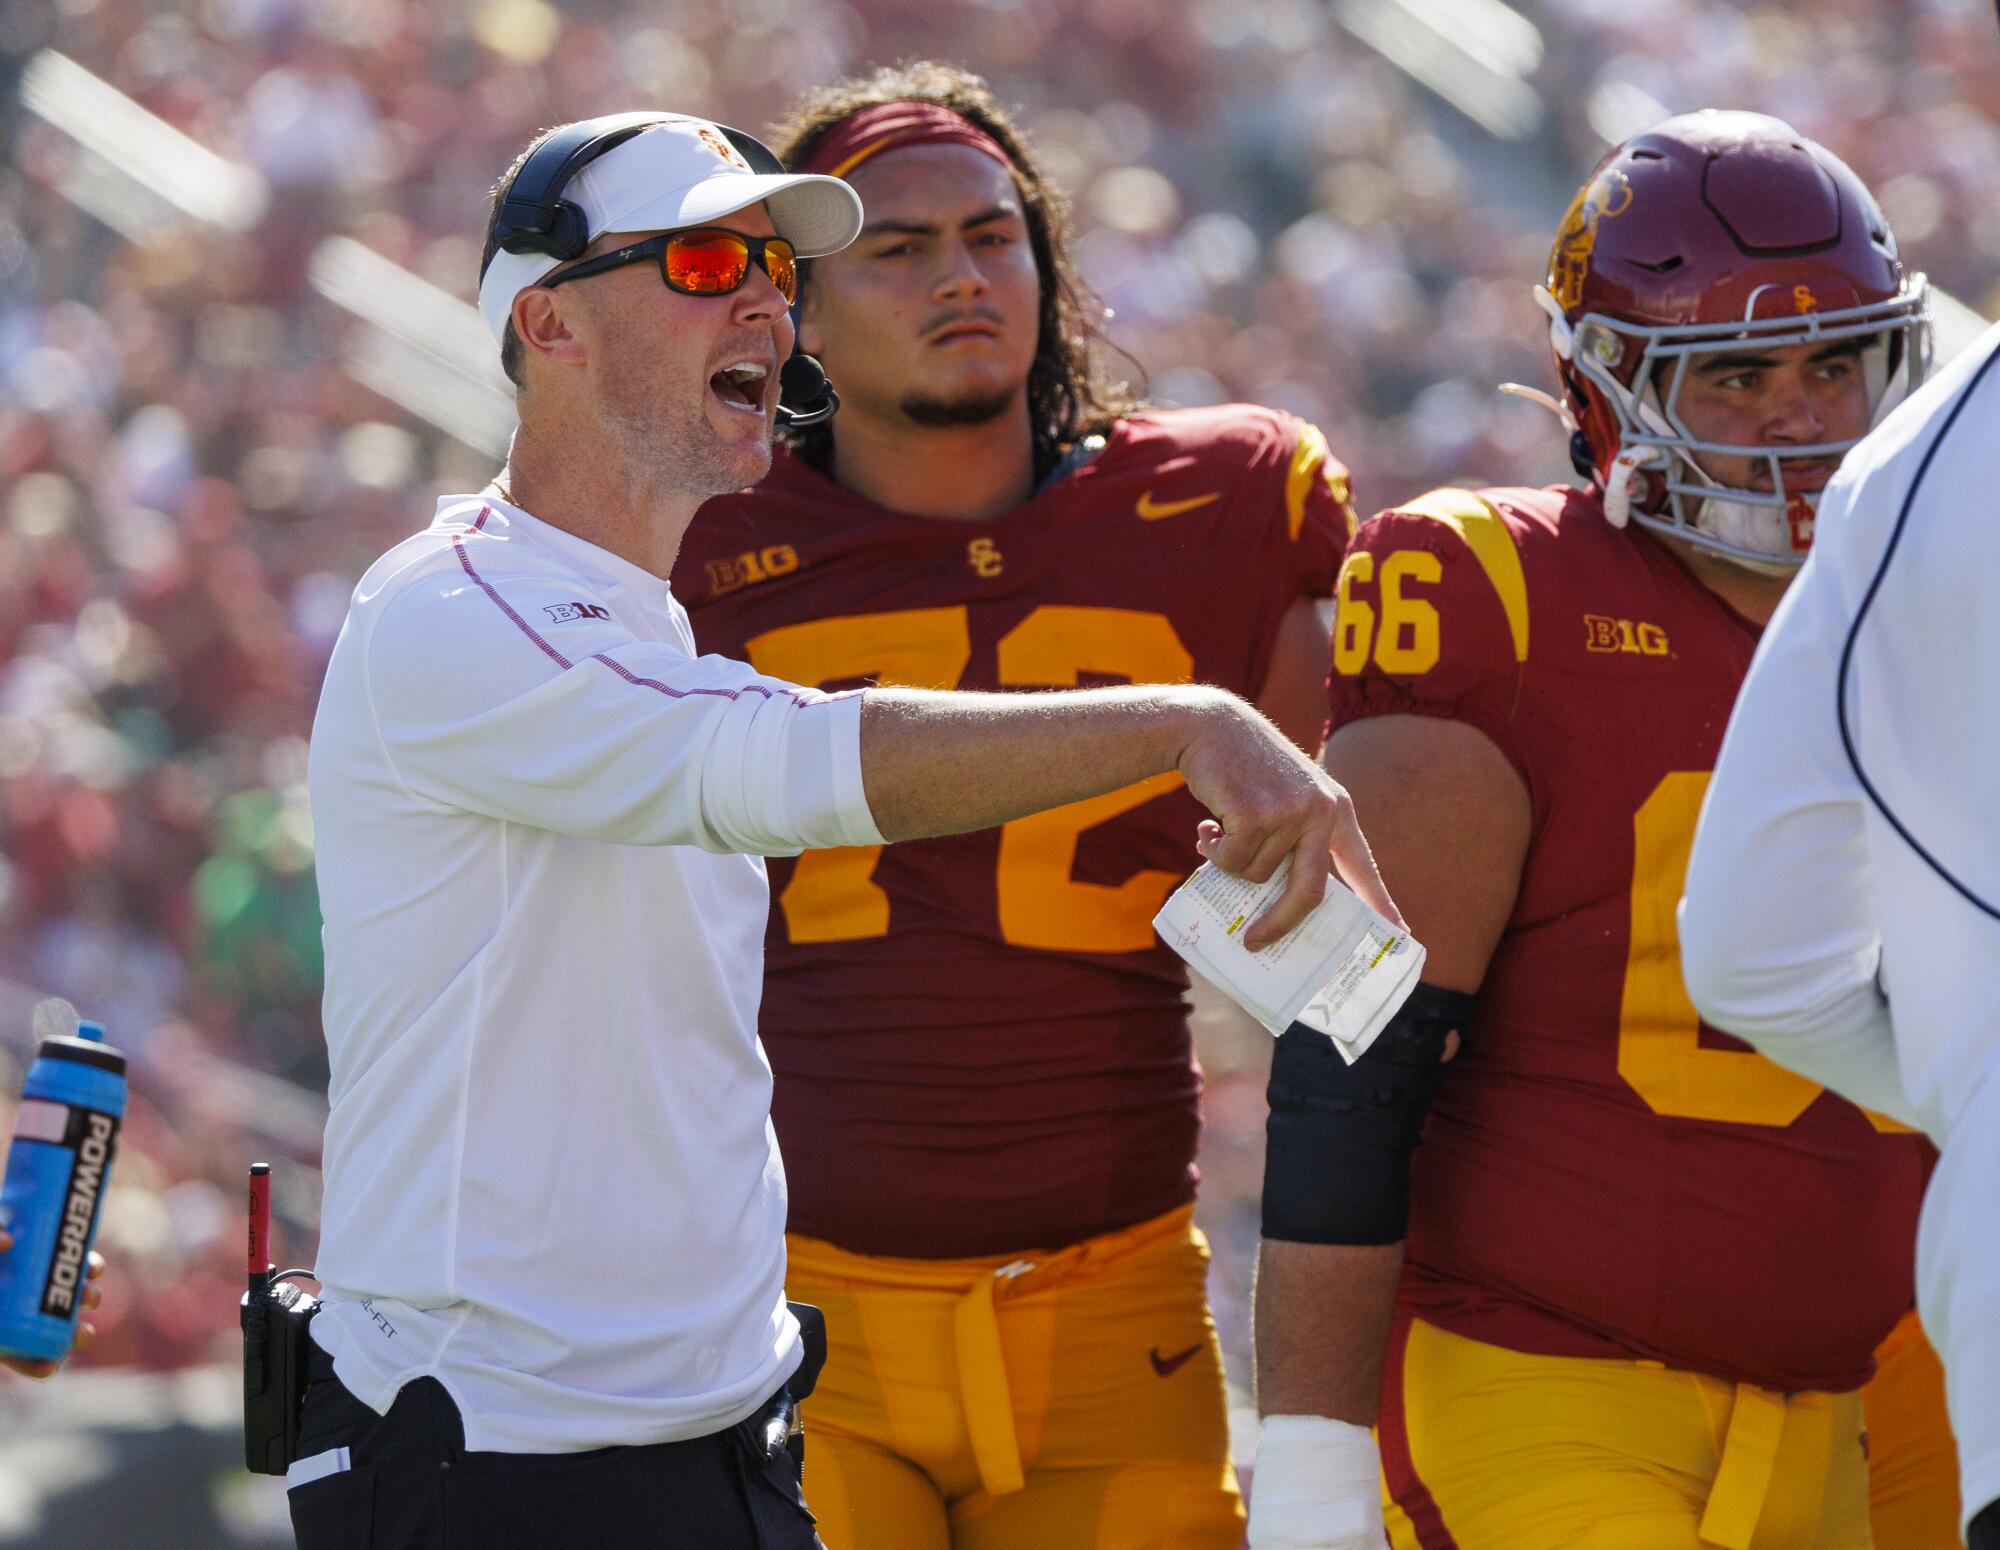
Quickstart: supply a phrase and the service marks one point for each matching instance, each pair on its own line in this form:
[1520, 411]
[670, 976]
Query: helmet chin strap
[1625, 471]
[1756, 525]
[1747, 526]
[1742, 524]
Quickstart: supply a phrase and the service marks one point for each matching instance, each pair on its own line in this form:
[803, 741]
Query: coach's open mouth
[741, 386]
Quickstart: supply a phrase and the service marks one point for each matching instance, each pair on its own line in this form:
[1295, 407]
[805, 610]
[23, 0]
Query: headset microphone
[805, 396]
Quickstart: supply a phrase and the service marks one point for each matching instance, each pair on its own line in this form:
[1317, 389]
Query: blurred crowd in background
[1273, 197]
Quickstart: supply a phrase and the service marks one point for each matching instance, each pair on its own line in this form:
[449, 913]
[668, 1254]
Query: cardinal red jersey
[1603, 1174]
[980, 1045]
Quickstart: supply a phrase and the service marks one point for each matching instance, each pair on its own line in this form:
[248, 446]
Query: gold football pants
[1071, 1400]
[1487, 1447]
[1912, 1459]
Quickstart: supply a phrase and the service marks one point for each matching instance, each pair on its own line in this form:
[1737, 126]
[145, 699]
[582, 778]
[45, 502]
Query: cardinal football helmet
[1709, 232]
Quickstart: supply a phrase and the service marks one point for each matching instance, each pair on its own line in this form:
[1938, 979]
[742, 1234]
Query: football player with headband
[1630, 1288]
[985, 1087]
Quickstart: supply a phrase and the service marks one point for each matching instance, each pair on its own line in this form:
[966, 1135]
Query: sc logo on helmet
[1604, 198]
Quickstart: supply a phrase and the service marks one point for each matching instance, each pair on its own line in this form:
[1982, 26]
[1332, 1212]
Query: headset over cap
[1718, 231]
[645, 172]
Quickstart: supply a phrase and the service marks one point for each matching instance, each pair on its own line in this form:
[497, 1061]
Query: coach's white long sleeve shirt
[1811, 928]
[550, 1175]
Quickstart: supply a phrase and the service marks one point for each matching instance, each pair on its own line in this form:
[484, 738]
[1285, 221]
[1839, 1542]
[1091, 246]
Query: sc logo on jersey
[562, 613]
[984, 558]
[1640, 640]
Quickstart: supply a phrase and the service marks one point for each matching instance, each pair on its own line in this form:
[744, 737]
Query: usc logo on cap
[716, 143]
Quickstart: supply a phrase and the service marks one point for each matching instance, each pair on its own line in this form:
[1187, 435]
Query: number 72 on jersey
[833, 896]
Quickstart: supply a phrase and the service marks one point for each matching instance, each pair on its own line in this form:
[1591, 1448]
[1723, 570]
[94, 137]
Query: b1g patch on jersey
[1639, 639]
[750, 567]
[562, 613]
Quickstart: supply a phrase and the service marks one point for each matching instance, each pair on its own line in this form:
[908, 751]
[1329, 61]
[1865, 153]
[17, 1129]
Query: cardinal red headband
[889, 126]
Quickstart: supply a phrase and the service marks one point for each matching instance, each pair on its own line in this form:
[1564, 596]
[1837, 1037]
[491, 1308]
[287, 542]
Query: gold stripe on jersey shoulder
[1312, 459]
[1480, 524]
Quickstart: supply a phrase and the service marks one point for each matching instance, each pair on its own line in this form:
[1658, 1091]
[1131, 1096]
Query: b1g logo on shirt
[562, 613]
[1639, 640]
[753, 565]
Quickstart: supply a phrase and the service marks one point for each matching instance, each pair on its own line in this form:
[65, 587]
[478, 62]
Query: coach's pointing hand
[946, 763]
[1272, 803]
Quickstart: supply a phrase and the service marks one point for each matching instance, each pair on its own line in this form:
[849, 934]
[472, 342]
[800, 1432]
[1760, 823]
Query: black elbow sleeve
[1339, 1139]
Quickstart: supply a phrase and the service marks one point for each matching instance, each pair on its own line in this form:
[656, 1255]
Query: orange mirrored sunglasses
[702, 261]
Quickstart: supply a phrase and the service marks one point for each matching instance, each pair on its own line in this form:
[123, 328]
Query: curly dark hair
[1068, 395]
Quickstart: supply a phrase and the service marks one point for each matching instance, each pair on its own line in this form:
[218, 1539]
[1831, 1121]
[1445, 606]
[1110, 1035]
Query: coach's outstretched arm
[945, 763]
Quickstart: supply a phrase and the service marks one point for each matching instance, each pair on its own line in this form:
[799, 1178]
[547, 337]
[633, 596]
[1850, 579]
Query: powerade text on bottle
[58, 1169]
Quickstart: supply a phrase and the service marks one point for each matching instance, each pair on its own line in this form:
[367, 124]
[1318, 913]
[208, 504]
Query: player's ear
[540, 318]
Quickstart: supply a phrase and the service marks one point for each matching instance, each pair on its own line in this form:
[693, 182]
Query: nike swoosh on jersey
[1167, 1366]
[1151, 510]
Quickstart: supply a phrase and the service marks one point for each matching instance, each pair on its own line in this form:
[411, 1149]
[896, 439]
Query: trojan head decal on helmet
[1711, 233]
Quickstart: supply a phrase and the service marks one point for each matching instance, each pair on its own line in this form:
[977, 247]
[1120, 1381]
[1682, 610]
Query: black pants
[1984, 1531]
[412, 1485]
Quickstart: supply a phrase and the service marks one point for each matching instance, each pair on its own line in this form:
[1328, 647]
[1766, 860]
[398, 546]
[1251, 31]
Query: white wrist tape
[1317, 1486]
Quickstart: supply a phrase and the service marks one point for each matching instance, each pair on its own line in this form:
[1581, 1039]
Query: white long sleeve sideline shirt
[1811, 928]
[550, 1175]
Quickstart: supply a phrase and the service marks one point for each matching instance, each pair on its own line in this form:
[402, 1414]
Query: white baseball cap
[683, 172]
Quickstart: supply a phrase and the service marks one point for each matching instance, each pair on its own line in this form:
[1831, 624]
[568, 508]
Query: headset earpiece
[561, 231]
[533, 216]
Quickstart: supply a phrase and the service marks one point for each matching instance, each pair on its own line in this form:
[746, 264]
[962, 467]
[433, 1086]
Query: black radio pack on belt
[274, 1315]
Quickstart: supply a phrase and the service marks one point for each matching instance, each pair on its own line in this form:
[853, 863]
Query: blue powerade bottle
[58, 1168]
